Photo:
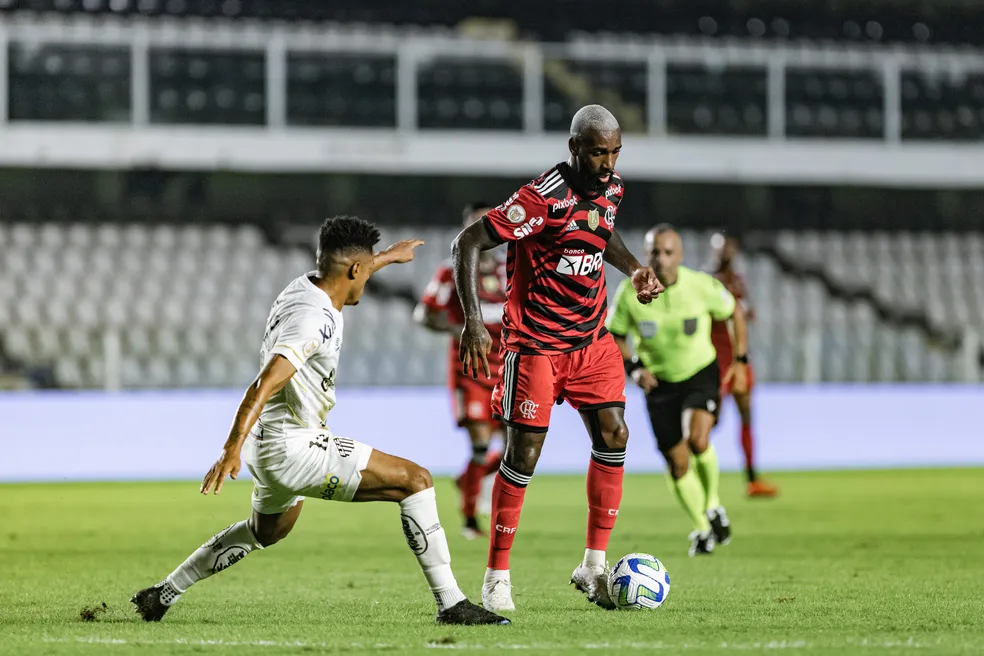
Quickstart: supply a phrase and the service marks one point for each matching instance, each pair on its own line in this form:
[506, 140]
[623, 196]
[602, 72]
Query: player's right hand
[645, 379]
[476, 342]
[228, 464]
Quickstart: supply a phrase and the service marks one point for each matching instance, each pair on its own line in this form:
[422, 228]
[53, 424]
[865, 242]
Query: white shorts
[304, 463]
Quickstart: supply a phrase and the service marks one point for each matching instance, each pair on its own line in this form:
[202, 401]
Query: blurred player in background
[440, 310]
[560, 229]
[677, 367]
[725, 250]
[281, 431]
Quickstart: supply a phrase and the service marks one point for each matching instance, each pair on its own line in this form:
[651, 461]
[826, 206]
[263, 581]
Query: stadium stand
[184, 319]
[921, 21]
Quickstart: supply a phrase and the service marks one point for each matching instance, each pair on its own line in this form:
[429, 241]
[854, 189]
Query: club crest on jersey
[528, 409]
[516, 214]
[593, 219]
[647, 329]
[610, 217]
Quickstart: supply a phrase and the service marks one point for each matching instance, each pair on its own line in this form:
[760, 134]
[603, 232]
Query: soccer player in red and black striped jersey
[726, 251]
[440, 310]
[561, 230]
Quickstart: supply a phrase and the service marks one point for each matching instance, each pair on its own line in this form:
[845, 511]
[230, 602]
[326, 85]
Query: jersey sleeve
[438, 293]
[524, 215]
[720, 302]
[303, 335]
[620, 320]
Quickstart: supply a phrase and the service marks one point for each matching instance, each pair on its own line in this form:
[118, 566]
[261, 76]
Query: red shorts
[590, 378]
[472, 401]
[726, 387]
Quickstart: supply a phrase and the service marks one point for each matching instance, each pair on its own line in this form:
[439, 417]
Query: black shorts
[667, 402]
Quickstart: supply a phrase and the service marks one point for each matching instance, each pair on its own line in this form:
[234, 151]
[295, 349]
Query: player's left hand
[402, 251]
[228, 464]
[737, 375]
[646, 284]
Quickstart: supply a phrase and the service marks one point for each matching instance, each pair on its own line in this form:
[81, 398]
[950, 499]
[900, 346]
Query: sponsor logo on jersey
[612, 190]
[516, 214]
[647, 329]
[528, 409]
[415, 536]
[329, 328]
[580, 265]
[310, 347]
[571, 227]
[610, 216]
[573, 251]
[332, 483]
[593, 219]
[526, 228]
[564, 204]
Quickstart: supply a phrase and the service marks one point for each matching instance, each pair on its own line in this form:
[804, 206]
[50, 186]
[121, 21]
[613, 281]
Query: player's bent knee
[418, 480]
[618, 437]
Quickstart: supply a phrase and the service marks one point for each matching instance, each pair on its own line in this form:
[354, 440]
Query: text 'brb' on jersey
[555, 265]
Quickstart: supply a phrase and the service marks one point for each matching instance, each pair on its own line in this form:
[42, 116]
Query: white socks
[427, 541]
[594, 558]
[222, 551]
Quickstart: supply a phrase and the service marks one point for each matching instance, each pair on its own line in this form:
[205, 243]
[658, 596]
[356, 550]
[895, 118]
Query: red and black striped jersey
[556, 298]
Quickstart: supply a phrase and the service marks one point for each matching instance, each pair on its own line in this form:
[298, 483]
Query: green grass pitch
[841, 563]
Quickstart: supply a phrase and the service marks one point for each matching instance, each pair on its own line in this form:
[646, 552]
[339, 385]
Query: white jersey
[305, 328]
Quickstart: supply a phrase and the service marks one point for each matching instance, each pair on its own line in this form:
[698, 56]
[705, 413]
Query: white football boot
[593, 581]
[497, 591]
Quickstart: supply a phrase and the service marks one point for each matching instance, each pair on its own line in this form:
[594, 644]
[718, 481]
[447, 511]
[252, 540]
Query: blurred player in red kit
[440, 310]
[560, 230]
[725, 252]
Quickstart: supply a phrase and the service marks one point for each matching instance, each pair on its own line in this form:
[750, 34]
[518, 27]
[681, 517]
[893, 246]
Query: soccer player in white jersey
[281, 431]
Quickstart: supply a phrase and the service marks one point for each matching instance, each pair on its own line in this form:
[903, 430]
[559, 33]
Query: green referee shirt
[672, 335]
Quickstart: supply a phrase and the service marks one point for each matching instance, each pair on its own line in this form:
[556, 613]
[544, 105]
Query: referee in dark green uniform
[676, 364]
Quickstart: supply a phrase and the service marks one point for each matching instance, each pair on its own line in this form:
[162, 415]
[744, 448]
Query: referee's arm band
[632, 364]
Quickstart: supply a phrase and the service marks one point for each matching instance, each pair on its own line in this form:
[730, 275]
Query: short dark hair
[344, 234]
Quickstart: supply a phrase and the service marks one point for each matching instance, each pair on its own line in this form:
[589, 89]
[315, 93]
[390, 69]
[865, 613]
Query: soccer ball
[638, 581]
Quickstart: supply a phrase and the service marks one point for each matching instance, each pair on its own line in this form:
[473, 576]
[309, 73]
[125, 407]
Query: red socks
[507, 502]
[471, 487]
[746, 446]
[604, 496]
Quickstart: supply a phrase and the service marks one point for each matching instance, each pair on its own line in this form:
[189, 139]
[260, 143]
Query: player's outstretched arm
[644, 280]
[399, 253]
[271, 380]
[475, 339]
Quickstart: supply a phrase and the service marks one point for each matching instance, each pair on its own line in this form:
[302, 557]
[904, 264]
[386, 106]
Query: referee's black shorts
[668, 401]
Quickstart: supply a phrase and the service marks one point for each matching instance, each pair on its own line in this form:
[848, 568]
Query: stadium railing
[832, 113]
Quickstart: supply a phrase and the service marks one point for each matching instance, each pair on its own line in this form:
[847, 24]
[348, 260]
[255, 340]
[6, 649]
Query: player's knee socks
[426, 538]
[222, 551]
[746, 447]
[604, 485]
[471, 482]
[507, 502]
[690, 493]
[707, 469]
